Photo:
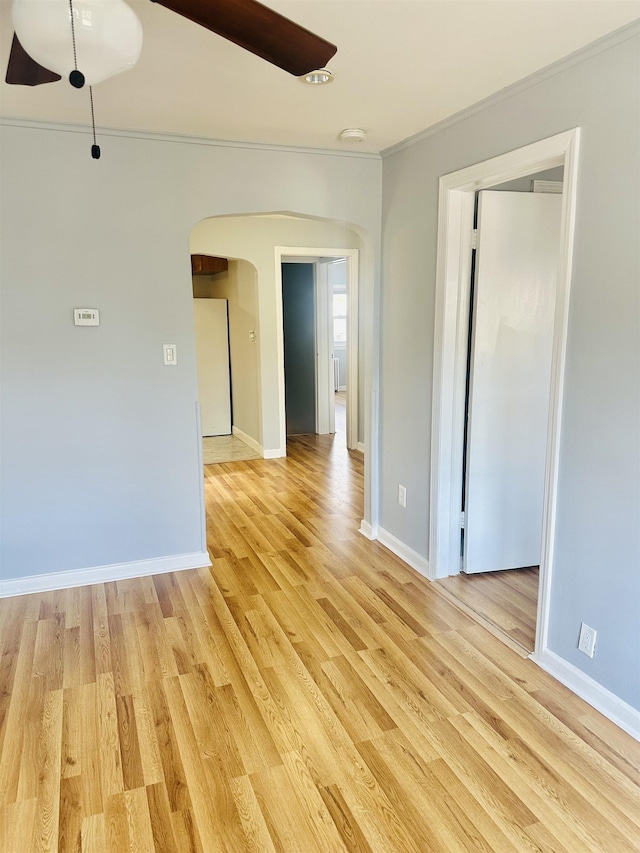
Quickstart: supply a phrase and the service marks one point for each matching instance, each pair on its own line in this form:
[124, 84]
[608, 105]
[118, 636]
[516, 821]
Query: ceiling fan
[247, 23]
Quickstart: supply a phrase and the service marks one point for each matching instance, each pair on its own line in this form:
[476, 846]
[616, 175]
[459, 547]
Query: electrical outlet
[402, 495]
[587, 641]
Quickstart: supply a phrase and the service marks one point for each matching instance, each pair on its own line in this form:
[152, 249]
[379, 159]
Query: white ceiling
[401, 66]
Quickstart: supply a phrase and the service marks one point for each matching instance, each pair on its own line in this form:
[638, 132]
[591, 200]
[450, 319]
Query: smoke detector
[352, 135]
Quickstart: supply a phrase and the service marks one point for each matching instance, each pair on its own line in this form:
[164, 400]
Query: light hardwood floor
[507, 600]
[308, 693]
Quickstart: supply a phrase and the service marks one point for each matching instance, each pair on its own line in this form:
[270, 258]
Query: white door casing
[298, 253]
[455, 223]
[325, 402]
[510, 377]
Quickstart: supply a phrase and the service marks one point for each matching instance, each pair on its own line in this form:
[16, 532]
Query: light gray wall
[99, 439]
[597, 556]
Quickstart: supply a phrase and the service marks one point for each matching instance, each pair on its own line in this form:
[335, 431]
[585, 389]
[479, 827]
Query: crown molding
[61, 127]
[601, 45]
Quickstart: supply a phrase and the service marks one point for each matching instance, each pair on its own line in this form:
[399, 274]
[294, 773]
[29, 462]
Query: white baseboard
[273, 454]
[342, 387]
[253, 444]
[367, 530]
[360, 446]
[415, 560]
[603, 700]
[103, 574]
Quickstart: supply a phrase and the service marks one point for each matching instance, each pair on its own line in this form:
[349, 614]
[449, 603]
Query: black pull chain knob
[95, 148]
[76, 78]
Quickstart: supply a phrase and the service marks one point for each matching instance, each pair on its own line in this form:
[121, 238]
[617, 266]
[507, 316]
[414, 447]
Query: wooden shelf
[208, 265]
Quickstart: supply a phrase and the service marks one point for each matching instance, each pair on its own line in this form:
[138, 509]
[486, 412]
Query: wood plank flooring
[308, 693]
[508, 600]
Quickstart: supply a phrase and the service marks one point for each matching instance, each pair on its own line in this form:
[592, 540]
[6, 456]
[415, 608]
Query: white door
[510, 375]
[212, 354]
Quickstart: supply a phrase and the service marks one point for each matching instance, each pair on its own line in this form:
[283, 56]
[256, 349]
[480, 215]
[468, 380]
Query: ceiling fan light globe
[108, 36]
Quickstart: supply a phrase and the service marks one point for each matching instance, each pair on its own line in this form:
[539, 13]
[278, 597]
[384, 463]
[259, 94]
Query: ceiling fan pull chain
[76, 78]
[95, 148]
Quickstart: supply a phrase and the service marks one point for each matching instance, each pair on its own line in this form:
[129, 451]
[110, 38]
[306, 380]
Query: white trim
[367, 530]
[411, 557]
[103, 574]
[563, 288]
[183, 139]
[324, 377]
[200, 475]
[615, 709]
[607, 42]
[352, 255]
[360, 446]
[253, 444]
[278, 453]
[452, 295]
[352, 349]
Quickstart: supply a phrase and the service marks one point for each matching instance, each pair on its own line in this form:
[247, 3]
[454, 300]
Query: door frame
[298, 253]
[453, 280]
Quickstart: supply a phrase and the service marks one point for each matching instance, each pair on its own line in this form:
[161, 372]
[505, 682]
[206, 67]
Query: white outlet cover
[587, 640]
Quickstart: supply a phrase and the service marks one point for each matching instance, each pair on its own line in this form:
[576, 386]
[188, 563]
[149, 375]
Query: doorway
[454, 267]
[299, 331]
[322, 259]
[227, 358]
[511, 313]
[315, 327]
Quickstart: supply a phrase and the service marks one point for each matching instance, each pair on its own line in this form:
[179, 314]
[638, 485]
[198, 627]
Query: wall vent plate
[86, 316]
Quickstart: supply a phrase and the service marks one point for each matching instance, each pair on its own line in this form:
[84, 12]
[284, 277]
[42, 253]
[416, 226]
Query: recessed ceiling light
[318, 78]
[352, 135]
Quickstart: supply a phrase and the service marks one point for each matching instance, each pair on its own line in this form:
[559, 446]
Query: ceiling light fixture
[352, 135]
[107, 36]
[86, 41]
[318, 78]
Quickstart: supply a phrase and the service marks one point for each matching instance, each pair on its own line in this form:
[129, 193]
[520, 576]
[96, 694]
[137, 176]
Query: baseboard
[360, 446]
[273, 454]
[415, 560]
[253, 444]
[603, 700]
[102, 574]
[367, 530]
[342, 387]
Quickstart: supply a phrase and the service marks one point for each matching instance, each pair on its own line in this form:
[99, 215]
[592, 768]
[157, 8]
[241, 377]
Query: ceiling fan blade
[24, 71]
[260, 30]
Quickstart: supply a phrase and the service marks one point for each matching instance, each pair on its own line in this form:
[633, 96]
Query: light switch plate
[170, 352]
